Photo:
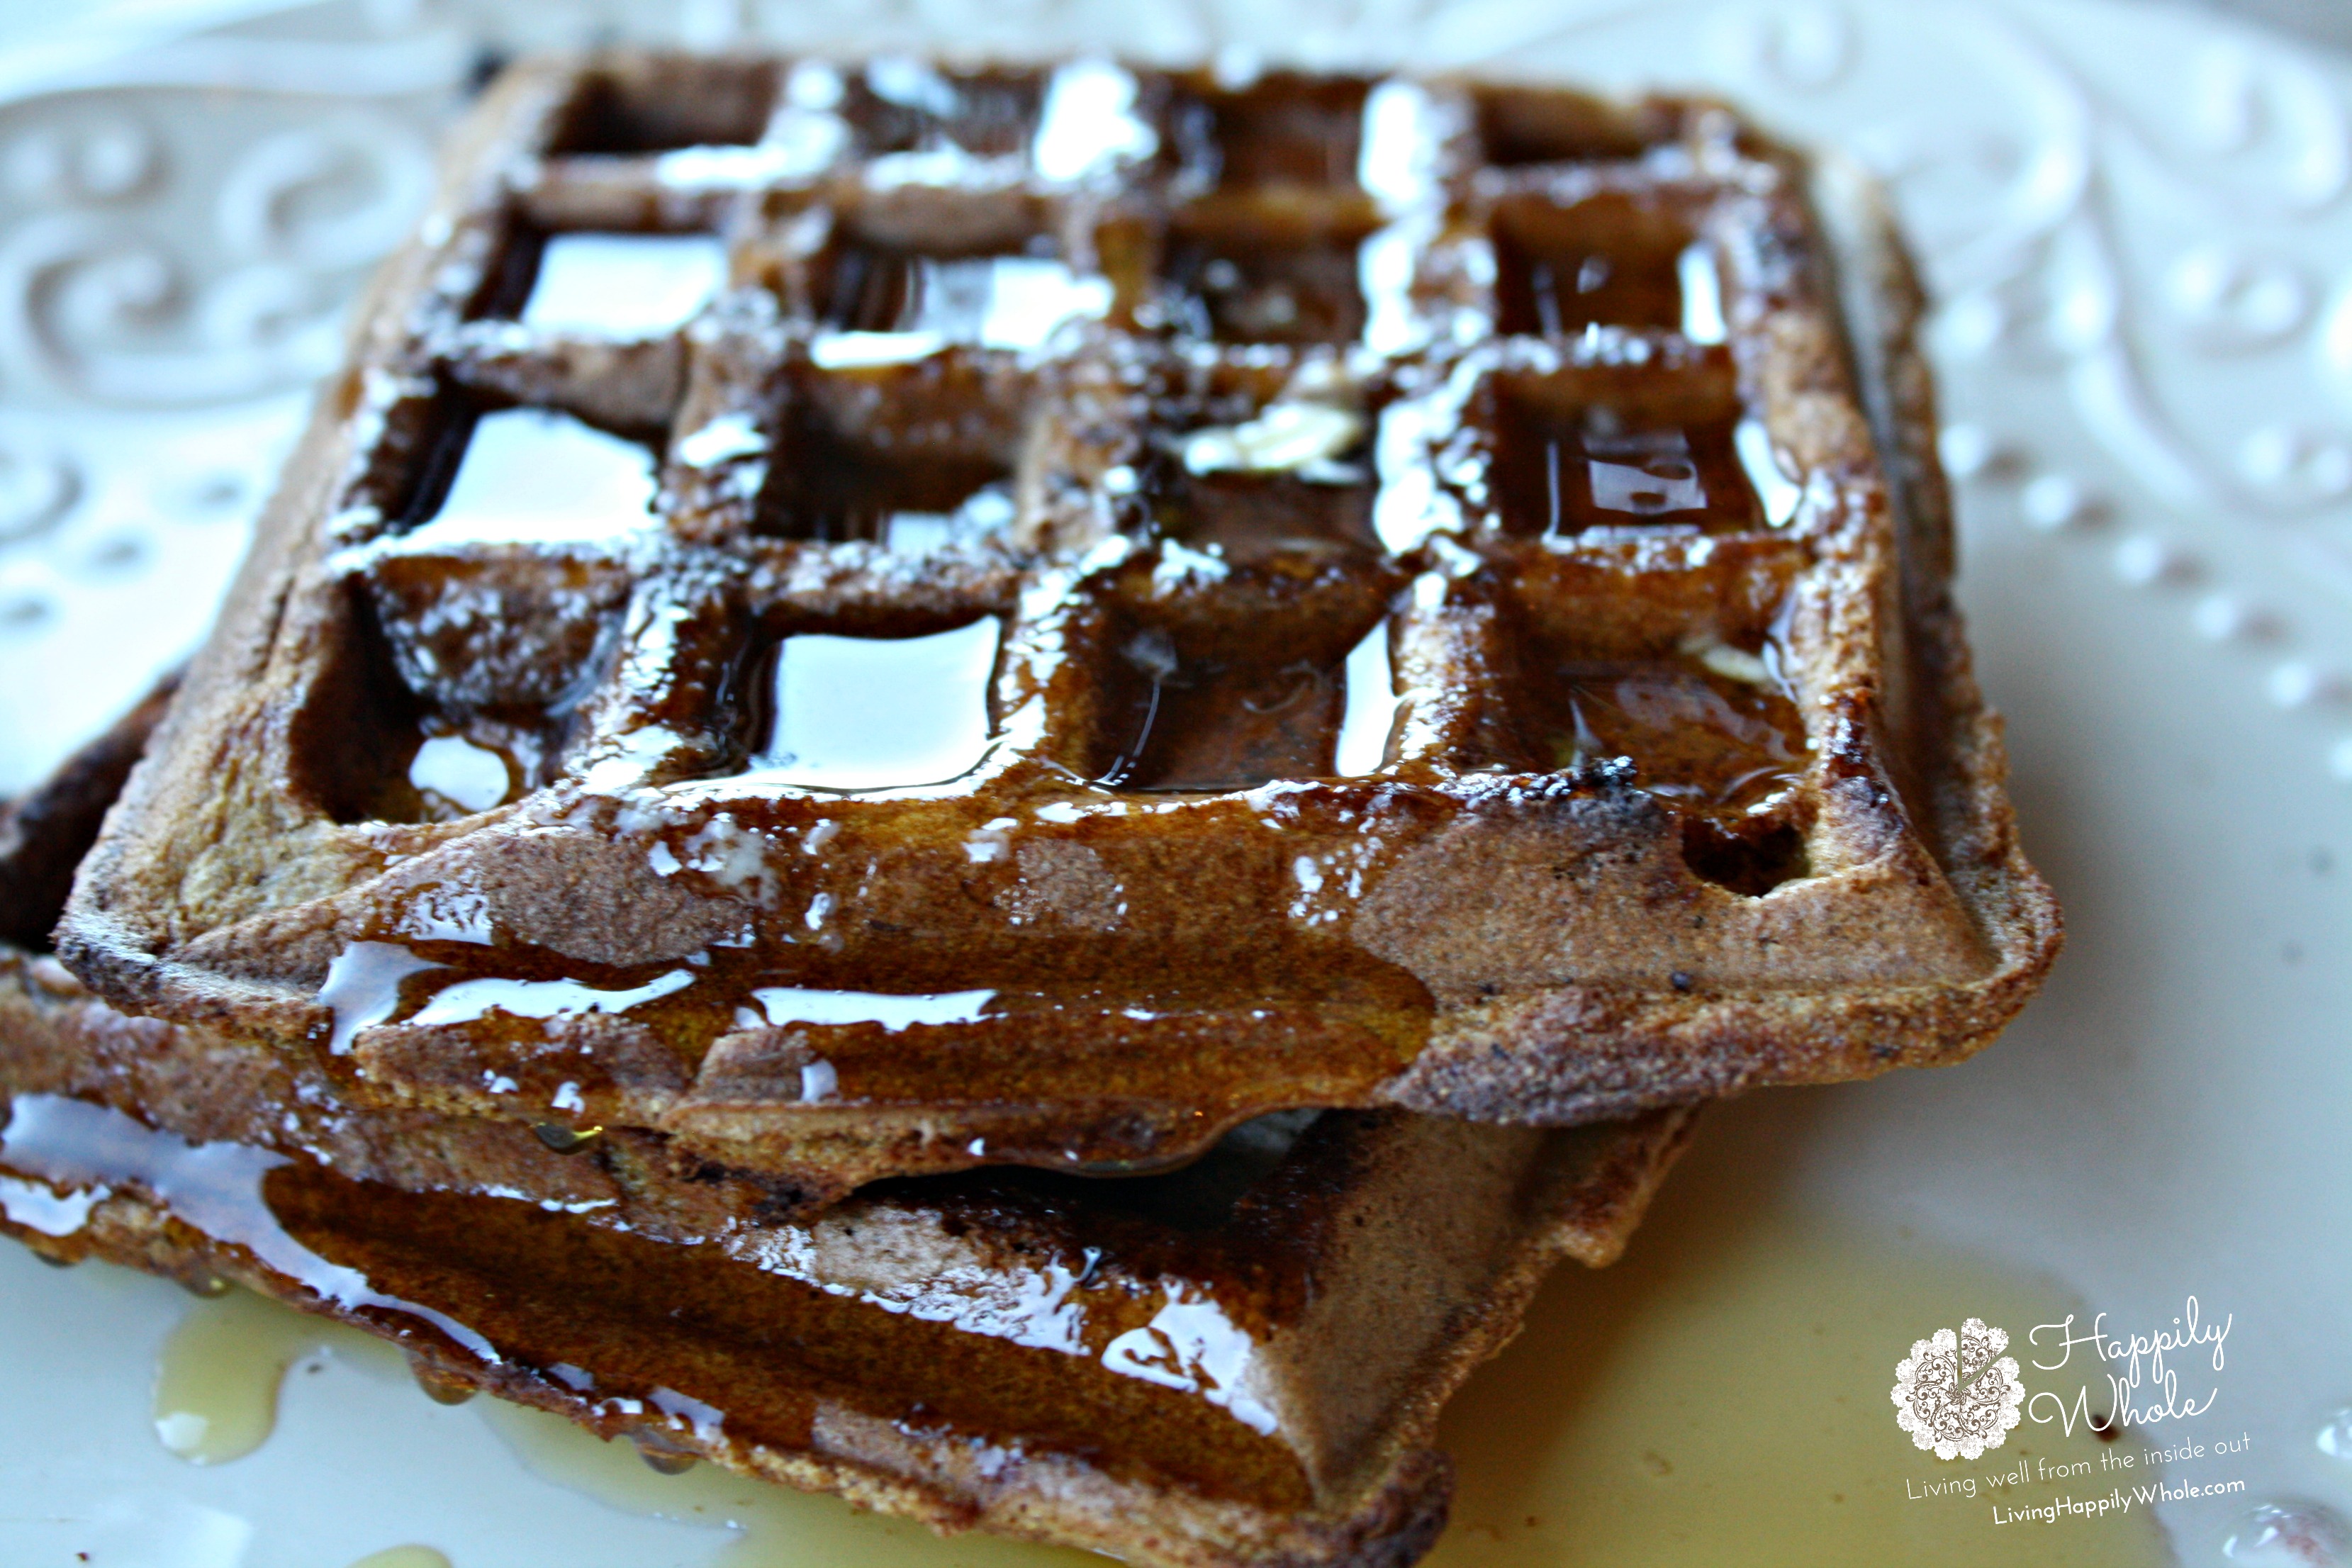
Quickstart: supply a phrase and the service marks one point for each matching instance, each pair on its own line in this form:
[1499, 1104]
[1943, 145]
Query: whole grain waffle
[1089, 606]
[1240, 1363]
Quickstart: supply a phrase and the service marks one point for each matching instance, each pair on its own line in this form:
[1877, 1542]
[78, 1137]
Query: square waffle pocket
[872, 619]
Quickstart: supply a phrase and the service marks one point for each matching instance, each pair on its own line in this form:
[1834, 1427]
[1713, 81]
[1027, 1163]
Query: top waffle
[890, 617]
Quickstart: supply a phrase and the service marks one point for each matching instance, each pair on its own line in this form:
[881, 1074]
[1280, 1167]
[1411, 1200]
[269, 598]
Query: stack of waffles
[1007, 789]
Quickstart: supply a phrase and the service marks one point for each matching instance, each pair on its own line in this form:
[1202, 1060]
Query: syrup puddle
[857, 713]
[624, 285]
[217, 1377]
[775, 1526]
[1725, 1386]
[530, 475]
[404, 1557]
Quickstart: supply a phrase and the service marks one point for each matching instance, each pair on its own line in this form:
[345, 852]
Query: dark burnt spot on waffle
[1107, 602]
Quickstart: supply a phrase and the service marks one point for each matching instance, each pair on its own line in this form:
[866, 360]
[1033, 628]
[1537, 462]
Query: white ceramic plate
[2138, 220]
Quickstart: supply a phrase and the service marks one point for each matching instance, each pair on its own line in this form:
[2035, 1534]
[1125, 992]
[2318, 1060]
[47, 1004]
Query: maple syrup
[533, 476]
[1607, 260]
[994, 301]
[404, 1557]
[1562, 474]
[624, 285]
[1720, 1396]
[1711, 742]
[860, 713]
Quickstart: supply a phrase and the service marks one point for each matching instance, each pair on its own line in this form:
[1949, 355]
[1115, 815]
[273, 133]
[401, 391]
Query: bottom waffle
[1239, 1363]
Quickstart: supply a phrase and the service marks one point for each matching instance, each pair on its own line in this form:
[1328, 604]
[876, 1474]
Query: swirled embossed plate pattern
[2134, 219]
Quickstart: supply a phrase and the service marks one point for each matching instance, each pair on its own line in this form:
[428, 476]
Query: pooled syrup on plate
[1720, 1393]
[1720, 1396]
[771, 1526]
[217, 1377]
[404, 1557]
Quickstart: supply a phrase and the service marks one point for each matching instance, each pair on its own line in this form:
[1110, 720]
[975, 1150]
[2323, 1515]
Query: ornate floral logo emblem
[1958, 1394]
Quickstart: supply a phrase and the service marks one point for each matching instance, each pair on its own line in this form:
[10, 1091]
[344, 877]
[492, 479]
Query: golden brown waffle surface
[1240, 1363]
[874, 620]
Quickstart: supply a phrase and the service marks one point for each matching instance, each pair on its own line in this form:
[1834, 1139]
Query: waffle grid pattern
[1227, 404]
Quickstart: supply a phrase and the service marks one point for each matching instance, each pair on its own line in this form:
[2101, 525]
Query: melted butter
[774, 1527]
[858, 713]
[624, 285]
[1284, 435]
[1720, 1396]
[536, 476]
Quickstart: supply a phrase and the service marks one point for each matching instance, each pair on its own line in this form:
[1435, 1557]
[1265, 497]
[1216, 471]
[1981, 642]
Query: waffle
[1240, 1362]
[1237, 1364]
[1088, 607]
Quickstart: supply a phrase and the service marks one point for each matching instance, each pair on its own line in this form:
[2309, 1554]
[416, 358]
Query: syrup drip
[624, 285]
[213, 1187]
[1725, 1386]
[1708, 742]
